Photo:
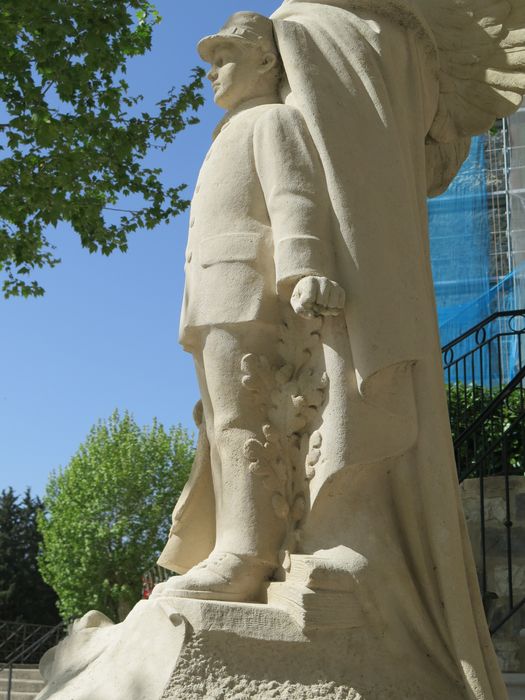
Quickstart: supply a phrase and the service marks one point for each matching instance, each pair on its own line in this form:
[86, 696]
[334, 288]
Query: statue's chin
[230, 99]
[222, 103]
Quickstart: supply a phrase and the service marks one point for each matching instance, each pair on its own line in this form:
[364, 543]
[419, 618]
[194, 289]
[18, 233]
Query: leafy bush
[106, 515]
[498, 440]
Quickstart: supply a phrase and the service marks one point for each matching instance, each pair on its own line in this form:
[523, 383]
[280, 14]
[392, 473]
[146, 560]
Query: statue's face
[236, 74]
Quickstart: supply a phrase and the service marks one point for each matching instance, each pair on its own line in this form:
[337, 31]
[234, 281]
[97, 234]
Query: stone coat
[258, 219]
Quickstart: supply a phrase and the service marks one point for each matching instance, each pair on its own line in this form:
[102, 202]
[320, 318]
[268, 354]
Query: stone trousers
[245, 520]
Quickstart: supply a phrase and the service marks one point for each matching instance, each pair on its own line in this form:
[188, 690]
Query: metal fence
[22, 643]
[485, 379]
[17, 641]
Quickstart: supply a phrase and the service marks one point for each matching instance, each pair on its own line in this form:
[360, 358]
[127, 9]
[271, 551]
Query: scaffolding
[516, 201]
[477, 234]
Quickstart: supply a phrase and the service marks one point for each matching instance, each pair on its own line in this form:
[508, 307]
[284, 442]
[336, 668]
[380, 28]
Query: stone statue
[320, 538]
[260, 239]
[314, 191]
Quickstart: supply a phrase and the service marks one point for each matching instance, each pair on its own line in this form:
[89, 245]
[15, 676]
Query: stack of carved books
[319, 593]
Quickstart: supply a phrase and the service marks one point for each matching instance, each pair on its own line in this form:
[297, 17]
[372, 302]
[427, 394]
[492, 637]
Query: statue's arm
[294, 187]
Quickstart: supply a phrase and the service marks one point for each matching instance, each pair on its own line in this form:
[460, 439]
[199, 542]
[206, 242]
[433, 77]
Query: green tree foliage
[107, 514]
[24, 597]
[500, 439]
[73, 141]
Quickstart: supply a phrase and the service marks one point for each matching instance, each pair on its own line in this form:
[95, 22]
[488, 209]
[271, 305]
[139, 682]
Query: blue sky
[105, 334]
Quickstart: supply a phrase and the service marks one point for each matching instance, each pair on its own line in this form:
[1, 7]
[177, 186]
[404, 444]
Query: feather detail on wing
[443, 163]
[481, 46]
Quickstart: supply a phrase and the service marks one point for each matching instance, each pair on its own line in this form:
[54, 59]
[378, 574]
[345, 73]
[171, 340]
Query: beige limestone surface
[368, 464]
[323, 501]
[209, 649]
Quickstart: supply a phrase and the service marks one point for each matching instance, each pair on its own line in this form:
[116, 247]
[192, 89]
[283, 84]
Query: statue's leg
[246, 522]
[249, 534]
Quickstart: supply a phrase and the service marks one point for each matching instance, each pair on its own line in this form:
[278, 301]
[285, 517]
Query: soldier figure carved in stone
[258, 241]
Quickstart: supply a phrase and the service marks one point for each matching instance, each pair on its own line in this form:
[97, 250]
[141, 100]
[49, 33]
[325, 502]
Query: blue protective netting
[494, 353]
[460, 247]
[460, 244]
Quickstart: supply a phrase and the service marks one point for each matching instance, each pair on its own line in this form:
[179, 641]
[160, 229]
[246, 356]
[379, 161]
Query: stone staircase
[26, 684]
[516, 685]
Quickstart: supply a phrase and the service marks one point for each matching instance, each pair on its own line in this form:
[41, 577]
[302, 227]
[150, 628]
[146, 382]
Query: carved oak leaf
[310, 472]
[316, 398]
[284, 374]
[281, 470]
[312, 385]
[280, 506]
[316, 440]
[313, 457]
[299, 508]
[291, 397]
[255, 452]
[265, 461]
[313, 454]
[257, 374]
[270, 433]
[299, 422]
[283, 413]
[299, 402]
[276, 396]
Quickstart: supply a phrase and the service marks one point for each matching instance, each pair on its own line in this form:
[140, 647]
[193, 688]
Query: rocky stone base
[239, 671]
[200, 675]
[181, 649]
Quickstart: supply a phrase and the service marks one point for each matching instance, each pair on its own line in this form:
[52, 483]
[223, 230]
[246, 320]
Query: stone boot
[222, 576]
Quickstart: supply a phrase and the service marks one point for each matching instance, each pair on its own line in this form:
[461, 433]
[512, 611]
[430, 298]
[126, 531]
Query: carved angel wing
[481, 51]
[481, 47]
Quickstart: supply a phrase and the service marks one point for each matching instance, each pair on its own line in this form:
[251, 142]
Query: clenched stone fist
[317, 296]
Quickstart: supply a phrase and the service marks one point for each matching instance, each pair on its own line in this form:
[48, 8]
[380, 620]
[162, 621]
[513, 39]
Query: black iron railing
[480, 363]
[21, 643]
[485, 378]
[18, 638]
[493, 444]
[491, 447]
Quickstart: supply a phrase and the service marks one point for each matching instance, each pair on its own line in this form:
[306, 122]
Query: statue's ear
[268, 62]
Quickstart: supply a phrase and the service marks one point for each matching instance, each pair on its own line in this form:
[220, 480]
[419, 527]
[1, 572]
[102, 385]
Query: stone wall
[510, 647]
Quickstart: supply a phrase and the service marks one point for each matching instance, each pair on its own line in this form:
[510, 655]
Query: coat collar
[256, 102]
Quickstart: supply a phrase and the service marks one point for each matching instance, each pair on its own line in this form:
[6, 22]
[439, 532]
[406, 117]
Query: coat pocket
[230, 247]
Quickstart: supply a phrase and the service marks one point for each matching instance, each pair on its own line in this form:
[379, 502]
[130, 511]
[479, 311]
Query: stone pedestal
[311, 640]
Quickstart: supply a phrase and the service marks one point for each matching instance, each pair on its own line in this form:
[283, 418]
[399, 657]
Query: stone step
[27, 672]
[22, 675]
[25, 685]
[516, 685]
[22, 684]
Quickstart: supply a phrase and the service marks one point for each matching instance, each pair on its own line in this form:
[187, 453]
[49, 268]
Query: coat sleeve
[294, 187]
